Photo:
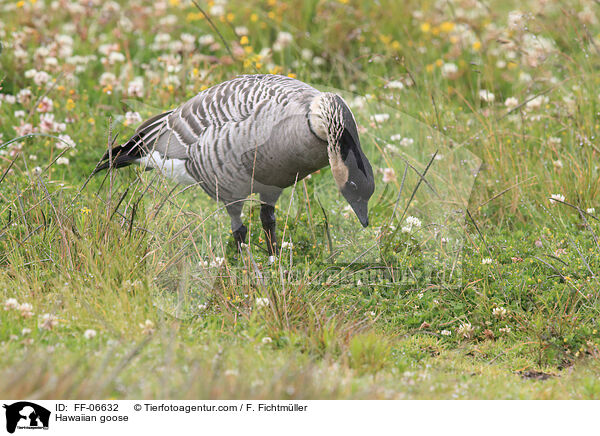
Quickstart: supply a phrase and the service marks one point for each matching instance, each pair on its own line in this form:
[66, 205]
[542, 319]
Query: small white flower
[26, 310]
[284, 39]
[511, 102]
[380, 118]
[450, 71]
[389, 175]
[499, 312]
[410, 223]
[486, 96]
[446, 332]
[465, 330]
[505, 329]
[554, 141]
[147, 327]
[10, 304]
[89, 334]
[537, 102]
[262, 302]
[558, 164]
[45, 105]
[25, 331]
[395, 84]
[206, 40]
[286, 244]
[266, 340]
[516, 20]
[556, 197]
[132, 118]
[591, 210]
[407, 142]
[486, 261]
[135, 88]
[48, 322]
[62, 161]
[65, 142]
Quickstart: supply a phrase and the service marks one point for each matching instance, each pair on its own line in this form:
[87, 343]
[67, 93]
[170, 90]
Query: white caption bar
[295, 417]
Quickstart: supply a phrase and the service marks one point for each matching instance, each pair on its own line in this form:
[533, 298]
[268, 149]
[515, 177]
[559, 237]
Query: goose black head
[350, 167]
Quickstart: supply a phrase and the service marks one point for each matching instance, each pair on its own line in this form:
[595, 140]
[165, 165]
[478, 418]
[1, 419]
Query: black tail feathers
[136, 147]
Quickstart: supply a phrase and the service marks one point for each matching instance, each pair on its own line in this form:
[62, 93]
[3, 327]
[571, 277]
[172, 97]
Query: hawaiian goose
[255, 133]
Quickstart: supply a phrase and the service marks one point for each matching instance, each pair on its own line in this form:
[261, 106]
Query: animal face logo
[26, 415]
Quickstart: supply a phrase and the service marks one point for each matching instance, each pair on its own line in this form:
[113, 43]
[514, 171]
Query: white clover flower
[132, 118]
[147, 327]
[217, 262]
[380, 118]
[65, 142]
[516, 20]
[558, 164]
[24, 96]
[135, 88]
[511, 102]
[45, 105]
[537, 102]
[89, 334]
[284, 39]
[41, 77]
[450, 71]
[486, 261]
[107, 78]
[499, 312]
[391, 149]
[407, 142]
[465, 330]
[411, 223]
[486, 96]
[206, 40]
[19, 114]
[217, 10]
[554, 141]
[11, 303]
[24, 129]
[48, 322]
[389, 175]
[395, 84]
[26, 310]
[262, 302]
[556, 197]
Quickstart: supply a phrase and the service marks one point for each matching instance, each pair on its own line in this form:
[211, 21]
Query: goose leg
[237, 227]
[267, 218]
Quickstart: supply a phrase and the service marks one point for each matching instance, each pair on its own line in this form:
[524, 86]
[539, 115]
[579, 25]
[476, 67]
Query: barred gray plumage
[254, 133]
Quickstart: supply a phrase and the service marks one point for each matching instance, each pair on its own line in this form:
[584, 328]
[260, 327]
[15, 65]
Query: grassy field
[126, 285]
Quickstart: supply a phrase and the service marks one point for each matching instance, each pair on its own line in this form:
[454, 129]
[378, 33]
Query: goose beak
[361, 210]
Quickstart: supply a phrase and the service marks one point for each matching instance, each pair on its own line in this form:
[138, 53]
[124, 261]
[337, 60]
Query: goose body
[254, 133]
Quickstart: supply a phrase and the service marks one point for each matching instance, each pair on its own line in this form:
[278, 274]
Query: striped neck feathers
[327, 122]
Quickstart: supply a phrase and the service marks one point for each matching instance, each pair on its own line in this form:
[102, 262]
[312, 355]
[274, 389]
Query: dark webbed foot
[267, 218]
[239, 236]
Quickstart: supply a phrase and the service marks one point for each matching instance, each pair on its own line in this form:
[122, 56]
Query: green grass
[124, 256]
